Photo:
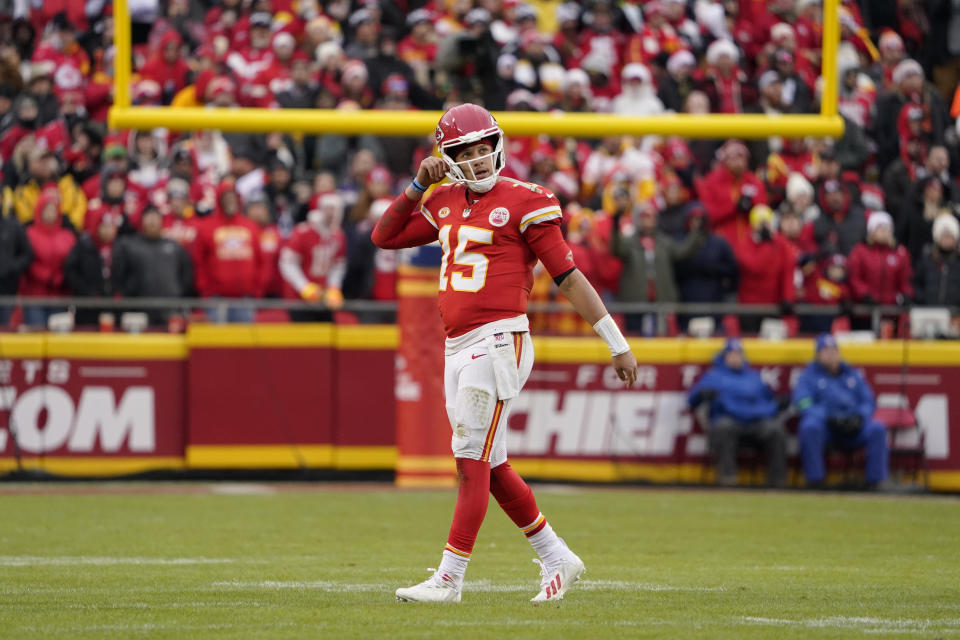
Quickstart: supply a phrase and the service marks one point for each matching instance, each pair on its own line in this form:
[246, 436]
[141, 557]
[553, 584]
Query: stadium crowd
[870, 218]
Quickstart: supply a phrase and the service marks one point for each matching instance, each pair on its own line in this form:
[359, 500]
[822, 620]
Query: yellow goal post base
[416, 123]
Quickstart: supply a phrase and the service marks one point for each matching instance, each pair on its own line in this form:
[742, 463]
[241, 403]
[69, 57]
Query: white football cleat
[555, 580]
[437, 588]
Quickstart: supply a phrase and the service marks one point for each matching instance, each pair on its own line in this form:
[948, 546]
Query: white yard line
[241, 489]
[101, 561]
[172, 626]
[478, 586]
[865, 624]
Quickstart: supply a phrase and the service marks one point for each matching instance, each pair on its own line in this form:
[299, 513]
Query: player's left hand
[625, 365]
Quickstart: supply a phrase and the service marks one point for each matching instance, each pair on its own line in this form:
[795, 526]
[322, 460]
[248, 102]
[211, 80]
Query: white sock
[453, 564]
[548, 545]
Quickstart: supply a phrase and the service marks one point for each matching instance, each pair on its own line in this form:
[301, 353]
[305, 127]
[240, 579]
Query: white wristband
[607, 329]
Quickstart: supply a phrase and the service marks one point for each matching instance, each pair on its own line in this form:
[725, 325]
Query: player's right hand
[625, 365]
[311, 292]
[333, 298]
[431, 171]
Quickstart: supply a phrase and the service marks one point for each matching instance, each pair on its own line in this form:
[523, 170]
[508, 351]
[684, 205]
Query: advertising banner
[575, 420]
[68, 411]
[301, 396]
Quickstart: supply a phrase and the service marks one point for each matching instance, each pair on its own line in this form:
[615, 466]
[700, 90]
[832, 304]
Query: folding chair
[906, 441]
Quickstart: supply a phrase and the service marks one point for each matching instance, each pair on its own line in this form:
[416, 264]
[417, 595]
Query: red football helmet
[465, 125]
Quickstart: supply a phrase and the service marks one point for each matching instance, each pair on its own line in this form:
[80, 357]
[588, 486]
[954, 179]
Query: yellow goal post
[827, 123]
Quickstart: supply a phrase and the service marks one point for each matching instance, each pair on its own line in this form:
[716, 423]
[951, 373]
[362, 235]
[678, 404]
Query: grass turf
[310, 564]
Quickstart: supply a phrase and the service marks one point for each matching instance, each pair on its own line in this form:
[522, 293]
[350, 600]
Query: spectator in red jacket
[51, 243]
[825, 284]
[248, 61]
[724, 81]
[880, 270]
[766, 262]
[258, 211]
[228, 257]
[117, 199]
[729, 192]
[167, 67]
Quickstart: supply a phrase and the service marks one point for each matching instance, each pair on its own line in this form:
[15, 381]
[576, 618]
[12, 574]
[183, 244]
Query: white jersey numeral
[477, 262]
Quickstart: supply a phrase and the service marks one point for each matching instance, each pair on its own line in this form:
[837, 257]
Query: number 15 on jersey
[477, 262]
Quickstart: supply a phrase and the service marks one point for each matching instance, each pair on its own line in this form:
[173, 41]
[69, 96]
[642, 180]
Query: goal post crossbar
[123, 115]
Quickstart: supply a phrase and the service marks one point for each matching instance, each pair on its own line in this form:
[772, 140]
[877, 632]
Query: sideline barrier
[219, 397]
[323, 396]
[575, 421]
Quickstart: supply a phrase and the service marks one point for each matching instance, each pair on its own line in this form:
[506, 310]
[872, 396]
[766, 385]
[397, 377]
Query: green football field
[202, 560]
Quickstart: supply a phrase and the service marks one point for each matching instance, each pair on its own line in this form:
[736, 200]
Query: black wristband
[563, 276]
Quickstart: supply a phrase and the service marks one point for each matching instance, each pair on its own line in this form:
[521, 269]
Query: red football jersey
[322, 256]
[491, 243]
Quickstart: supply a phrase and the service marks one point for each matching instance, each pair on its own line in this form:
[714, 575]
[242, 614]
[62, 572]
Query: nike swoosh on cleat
[477, 355]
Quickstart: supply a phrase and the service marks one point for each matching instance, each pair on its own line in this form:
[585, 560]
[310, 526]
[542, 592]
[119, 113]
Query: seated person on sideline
[742, 407]
[836, 406]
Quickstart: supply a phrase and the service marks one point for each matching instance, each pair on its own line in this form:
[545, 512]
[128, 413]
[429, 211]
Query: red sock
[471, 506]
[515, 497]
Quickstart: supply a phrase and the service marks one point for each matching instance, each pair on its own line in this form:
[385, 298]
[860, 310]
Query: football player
[492, 231]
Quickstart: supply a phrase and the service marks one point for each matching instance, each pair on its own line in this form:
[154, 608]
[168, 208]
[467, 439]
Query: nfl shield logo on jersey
[499, 216]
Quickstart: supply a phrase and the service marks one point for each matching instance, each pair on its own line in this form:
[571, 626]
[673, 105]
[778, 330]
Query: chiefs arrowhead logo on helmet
[463, 126]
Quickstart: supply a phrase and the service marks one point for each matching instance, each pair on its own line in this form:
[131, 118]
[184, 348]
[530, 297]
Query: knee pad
[473, 410]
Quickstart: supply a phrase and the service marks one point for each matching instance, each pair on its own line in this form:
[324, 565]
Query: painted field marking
[101, 561]
[867, 624]
[479, 586]
[241, 489]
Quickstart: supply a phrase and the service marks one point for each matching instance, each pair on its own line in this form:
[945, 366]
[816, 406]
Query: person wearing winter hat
[675, 85]
[879, 269]
[724, 82]
[730, 191]
[648, 257]
[741, 408]
[766, 263]
[937, 281]
[800, 197]
[638, 96]
[836, 406]
[50, 242]
[825, 283]
[909, 87]
[892, 52]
